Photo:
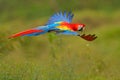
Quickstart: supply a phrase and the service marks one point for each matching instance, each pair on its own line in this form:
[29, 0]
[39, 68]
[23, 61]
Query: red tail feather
[30, 31]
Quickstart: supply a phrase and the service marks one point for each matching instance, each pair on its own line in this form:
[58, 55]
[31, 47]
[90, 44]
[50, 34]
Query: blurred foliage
[60, 57]
[35, 9]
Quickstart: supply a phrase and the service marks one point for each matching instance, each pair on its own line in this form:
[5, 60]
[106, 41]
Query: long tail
[26, 32]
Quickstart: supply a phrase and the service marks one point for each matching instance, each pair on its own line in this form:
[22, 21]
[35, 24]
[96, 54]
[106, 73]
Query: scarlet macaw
[60, 23]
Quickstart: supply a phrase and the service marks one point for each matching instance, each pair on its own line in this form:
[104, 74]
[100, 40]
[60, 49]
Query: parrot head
[80, 27]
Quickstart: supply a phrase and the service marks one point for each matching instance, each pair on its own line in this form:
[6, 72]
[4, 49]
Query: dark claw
[93, 35]
[83, 35]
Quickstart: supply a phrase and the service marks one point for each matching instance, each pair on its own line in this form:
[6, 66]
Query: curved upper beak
[81, 29]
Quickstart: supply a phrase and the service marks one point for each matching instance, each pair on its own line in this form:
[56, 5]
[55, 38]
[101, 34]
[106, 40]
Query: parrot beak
[83, 30]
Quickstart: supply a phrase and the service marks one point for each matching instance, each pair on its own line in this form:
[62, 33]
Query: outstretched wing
[89, 37]
[60, 16]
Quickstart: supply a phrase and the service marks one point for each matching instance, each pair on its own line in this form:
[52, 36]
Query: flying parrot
[60, 23]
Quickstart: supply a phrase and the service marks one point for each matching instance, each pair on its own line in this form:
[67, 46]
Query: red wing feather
[30, 31]
[89, 37]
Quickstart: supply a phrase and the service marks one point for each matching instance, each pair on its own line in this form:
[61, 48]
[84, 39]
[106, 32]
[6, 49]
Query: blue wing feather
[70, 16]
[60, 16]
[67, 32]
[44, 28]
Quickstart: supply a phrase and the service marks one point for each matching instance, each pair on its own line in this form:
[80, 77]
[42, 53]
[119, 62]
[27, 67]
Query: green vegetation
[51, 57]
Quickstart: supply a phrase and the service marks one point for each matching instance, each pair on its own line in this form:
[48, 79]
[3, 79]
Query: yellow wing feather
[63, 28]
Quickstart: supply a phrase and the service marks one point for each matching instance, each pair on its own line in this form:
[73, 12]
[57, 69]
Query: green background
[51, 57]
